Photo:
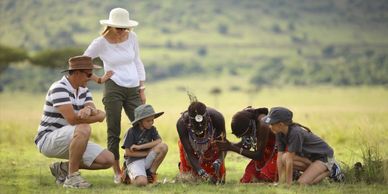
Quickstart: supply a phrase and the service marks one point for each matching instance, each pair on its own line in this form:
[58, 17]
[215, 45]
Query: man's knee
[83, 131]
[109, 159]
[140, 181]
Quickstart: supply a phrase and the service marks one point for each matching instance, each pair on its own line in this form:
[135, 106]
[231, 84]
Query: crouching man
[64, 130]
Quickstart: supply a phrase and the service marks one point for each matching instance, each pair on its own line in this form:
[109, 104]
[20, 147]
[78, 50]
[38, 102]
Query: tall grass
[347, 118]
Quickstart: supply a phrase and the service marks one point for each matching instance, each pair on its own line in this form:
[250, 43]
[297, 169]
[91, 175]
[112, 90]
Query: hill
[306, 39]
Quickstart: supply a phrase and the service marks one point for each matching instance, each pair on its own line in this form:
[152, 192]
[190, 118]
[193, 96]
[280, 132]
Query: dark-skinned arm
[220, 133]
[184, 137]
[237, 147]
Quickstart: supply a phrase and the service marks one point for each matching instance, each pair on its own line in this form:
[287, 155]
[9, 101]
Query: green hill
[307, 39]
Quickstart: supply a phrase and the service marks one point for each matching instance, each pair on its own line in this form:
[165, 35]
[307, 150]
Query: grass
[347, 118]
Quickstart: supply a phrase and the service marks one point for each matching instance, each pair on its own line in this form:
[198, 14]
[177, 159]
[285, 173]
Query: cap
[278, 114]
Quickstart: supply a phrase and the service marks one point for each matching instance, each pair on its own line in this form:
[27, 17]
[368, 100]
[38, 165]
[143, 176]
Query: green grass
[347, 118]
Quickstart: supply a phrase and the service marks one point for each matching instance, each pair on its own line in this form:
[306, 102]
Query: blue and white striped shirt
[60, 93]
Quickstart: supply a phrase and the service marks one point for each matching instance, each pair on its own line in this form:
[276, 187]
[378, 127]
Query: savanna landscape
[325, 60]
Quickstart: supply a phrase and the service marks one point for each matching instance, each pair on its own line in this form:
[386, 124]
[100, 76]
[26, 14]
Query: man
[64, 130]
[198, 128]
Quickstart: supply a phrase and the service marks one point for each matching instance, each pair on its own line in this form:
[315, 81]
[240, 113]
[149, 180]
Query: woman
[257, 143]
[299, 148]
[198, 128]
[118, 48]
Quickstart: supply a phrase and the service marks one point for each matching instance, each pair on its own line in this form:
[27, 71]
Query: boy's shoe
[76, 181]
[59, 170]
[336, 174]
[151, 177]
[124, 175]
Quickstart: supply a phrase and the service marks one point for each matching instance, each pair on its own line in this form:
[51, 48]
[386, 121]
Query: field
[349, 119]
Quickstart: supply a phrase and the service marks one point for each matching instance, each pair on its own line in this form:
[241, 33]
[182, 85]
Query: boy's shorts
[139, 167]
[56, 145]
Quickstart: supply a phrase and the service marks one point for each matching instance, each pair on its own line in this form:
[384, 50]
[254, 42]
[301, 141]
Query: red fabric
[268, 173]
[211, 154]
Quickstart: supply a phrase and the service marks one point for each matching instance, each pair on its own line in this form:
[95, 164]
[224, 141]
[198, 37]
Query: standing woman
[118, 48]
[299, 148]
[257, 143]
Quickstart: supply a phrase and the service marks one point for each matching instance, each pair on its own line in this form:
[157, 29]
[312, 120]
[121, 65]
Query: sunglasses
[121, 29]
[87, 74]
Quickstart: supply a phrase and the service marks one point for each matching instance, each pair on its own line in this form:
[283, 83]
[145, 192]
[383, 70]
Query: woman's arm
[102, 79]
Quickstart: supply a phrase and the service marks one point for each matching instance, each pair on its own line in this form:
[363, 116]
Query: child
[144, 149]
[300, 150]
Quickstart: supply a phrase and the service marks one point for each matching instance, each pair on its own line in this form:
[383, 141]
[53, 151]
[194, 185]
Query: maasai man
[198, 128]
[257, 143]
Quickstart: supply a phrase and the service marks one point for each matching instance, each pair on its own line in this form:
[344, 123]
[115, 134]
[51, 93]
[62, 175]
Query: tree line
[367, 68]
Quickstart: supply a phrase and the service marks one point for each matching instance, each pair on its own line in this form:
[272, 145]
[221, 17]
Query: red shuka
[210, 156]
[265, 169]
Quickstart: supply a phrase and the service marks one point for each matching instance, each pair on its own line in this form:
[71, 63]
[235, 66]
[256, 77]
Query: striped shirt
[61, 93]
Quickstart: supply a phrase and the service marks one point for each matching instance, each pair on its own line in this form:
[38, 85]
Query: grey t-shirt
[137, 136]
[304, 143]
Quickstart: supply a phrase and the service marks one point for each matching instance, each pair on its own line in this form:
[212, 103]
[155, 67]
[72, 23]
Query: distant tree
[369, 53]
[291, 26]
[9, 55]
[216, 91]
[223, 29]
[269, 73]
[202, 51]
[328, 51]
[276, 29]
[61, 39]
[55, 58]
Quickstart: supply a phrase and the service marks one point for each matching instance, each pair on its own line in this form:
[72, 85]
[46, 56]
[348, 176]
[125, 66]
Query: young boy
[144, 149]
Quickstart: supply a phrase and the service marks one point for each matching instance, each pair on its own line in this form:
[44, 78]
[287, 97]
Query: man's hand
[203, 174]
[223, 145]
[216, 166]
[85, 112]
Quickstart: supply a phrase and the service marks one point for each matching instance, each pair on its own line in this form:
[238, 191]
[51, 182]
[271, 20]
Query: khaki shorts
[329, 164]
[56, 145]
[138, 167]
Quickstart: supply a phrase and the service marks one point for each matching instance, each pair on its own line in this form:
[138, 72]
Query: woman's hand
[142, 96]
[106, 76]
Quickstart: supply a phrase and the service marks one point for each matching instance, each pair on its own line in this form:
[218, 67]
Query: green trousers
[115, 98]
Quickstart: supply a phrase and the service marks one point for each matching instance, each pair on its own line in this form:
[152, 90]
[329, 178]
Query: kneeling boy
[144, 149]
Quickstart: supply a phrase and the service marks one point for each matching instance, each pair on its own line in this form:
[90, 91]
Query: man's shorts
[138, 167]
[56, 145]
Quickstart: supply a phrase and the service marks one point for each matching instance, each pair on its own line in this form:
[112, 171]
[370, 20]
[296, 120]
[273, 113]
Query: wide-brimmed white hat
[119, 18]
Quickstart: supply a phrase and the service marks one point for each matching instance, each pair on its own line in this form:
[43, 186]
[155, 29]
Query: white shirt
[121, 58]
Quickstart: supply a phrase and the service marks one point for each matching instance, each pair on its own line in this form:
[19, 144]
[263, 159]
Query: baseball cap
[278, 114]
